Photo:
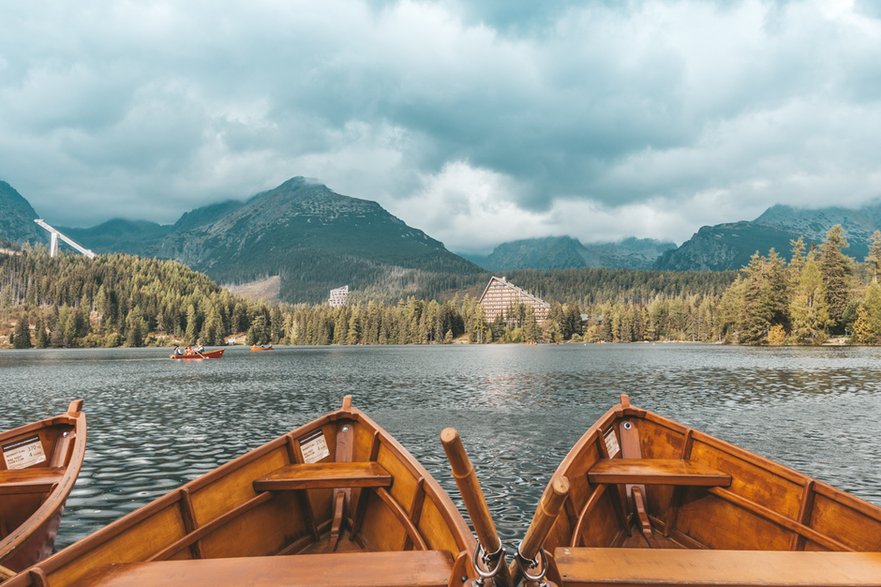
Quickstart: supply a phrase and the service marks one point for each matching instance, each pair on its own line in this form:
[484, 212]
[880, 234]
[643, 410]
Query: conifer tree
[808, 309]
[835, 268]
[867, 326]
[21, 338]
[873, 259]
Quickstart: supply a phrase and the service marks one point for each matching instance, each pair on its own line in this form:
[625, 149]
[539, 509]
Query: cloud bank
[477, 122]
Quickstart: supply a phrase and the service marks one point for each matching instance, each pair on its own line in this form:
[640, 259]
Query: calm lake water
[156, 423]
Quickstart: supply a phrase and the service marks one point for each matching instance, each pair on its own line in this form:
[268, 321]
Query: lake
[156, 423]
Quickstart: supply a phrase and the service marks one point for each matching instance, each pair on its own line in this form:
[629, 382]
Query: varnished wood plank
[581, 567]
[657, 472]
[35, 480]
[415, 568]
[804, 514]
[189, 517]
[413, 534]
[325, 476]
[779, 519]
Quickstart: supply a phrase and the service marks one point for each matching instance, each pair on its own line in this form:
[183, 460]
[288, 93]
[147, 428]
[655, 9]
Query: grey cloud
[150, 110]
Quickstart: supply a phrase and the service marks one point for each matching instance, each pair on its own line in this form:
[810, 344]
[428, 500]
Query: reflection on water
[156, 423]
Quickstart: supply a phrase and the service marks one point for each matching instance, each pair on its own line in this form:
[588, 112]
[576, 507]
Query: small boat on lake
[643, 500]
[261, 347]
[215, 354]
[39, 466]
[337, 501]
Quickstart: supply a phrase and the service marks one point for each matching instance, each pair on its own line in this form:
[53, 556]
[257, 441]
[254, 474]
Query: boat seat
[656, 472]
[422, 568]
[33, 480]
[325, 476]
[581, 567]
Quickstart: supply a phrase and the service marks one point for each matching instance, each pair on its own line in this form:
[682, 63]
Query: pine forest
[819, 295]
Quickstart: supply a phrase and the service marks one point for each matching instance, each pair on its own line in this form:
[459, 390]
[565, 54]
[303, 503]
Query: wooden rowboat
[643, 500]
[260, 347]
[335, 502]
[215, 354]
[39, 466]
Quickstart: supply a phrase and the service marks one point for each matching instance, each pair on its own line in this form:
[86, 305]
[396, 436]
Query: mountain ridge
[17, 217]
[566, 252]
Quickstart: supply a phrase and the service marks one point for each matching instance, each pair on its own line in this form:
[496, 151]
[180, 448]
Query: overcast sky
[478, 122]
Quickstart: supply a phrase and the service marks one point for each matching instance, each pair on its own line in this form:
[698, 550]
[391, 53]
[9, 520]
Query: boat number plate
[314, 447]
[611, 442]
[23, 453]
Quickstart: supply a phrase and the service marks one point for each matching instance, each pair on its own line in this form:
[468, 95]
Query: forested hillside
[120, 299]
[72, 301]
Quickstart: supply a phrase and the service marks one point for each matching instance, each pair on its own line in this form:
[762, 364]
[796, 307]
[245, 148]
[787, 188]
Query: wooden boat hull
[215, 354]
[339, 489]
[38, 469]
[639, 481]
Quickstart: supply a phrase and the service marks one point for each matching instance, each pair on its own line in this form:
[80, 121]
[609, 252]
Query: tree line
[121, 300]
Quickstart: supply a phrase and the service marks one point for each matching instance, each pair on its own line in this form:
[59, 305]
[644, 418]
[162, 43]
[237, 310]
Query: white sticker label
[23, 453]
[314, 447]
[611, 442]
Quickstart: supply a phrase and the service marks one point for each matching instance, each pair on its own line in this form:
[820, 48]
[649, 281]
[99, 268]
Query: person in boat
[199, 348]
[177, 350]
[188, 351]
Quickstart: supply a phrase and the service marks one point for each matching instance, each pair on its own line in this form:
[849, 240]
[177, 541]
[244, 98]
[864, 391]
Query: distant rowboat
[260, 347]
[39, 466]
[215, 354]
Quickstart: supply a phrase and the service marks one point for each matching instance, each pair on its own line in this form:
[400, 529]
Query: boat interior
[335, 502]
[35, 461]
[642, 486]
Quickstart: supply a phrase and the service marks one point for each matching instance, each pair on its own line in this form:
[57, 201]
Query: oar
[472, 495]
[544, 518]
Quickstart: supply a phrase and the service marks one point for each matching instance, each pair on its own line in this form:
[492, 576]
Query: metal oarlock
[525, 564]
[491, 561]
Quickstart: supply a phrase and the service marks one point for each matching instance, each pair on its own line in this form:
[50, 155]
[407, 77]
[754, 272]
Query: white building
[339, 296]
[500, 295]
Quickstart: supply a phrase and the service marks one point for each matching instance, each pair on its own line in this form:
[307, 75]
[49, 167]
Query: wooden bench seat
[588, 567]
[656, 472]
[33, 480]
[325, 476]
[420, 568]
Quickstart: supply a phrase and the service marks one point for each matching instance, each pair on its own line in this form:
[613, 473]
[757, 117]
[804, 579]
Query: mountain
[136, 237]
[565, 252]
[301, 232]
[17, 218]
[730, 245]
[314, 239]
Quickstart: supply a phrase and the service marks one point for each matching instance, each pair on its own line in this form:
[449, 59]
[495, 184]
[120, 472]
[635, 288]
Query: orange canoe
[644, 500]
[260, 347]
[337, 501]
[216, 354]
[39, 466]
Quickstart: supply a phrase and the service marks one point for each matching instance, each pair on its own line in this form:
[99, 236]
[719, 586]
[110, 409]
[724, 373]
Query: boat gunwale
[455, 521]
[59, 494]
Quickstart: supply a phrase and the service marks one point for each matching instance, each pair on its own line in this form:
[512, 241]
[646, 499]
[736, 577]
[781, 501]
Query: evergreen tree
[873, 259]
[136, 328]
[758, 302]
[41, 336]
[808, 309]
[835, 268]
[21, 338]
[867, 326]
[192, 331]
